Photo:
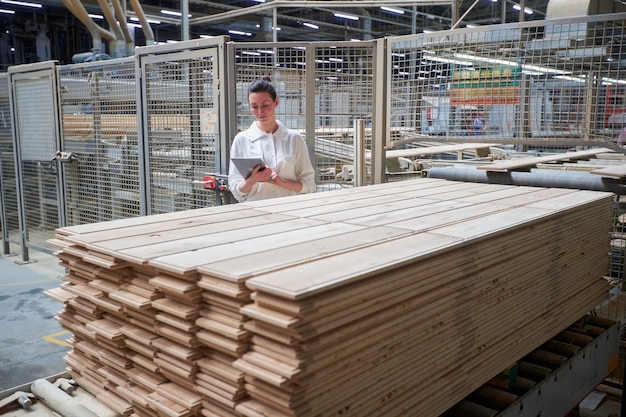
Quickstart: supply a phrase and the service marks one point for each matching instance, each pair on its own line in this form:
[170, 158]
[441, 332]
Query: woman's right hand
[260, 174]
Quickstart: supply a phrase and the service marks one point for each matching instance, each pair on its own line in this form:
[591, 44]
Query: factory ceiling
[300, 20]
[334, 20]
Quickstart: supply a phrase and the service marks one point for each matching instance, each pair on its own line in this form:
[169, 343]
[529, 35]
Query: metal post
[591, 92]
[274, 25]
[184, 20]
[359, 153]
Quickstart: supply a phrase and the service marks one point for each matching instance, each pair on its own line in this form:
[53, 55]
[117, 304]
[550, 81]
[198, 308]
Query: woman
[288, 169]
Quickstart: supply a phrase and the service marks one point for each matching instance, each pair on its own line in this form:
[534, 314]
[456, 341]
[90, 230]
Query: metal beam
[315, 4]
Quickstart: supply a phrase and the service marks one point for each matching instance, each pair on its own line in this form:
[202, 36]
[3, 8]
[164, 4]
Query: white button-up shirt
[284, 150]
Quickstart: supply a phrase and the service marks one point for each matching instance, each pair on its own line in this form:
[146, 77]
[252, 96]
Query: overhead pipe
[535, 178]
[96, 31]
[118, 45]
[147, 30]
[121, 18]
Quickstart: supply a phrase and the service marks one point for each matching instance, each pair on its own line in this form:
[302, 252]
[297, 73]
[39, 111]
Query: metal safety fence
[9, 219]
[99, 136]
[551, 83]
[323, 88]
[138, 135]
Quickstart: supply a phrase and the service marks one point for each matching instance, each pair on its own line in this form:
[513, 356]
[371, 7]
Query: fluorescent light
[346, 16]
[7, 12]
[170, 12]
[527, 10]
[427, 31]
[277, 28]
[449, 60]
[545, 70]
[240, 33]
[392, 9]
[486, 59]
[609, 81]
[568, 78]
[96, 16]
[310, 25]
[136, 19]
[22, 3]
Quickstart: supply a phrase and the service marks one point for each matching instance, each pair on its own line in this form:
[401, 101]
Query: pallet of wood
[391, 299]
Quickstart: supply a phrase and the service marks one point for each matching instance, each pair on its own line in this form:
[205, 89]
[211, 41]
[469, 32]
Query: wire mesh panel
[344, 93]
[284, 65]
[36, 142]
[551, 83]
[341, 87]
[181, 128]
[9, 221]
[99, 130]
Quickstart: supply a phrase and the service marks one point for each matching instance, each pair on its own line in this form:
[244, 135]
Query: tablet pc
[245, 165]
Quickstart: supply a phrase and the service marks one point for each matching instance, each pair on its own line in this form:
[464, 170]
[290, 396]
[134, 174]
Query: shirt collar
[256, 133]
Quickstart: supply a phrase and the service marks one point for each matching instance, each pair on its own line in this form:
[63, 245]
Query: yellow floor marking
[52, 338]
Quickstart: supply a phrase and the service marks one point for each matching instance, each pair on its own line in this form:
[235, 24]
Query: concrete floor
[32, 342]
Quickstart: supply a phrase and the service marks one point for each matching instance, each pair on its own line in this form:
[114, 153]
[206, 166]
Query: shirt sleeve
[234, 176]
[304, 169]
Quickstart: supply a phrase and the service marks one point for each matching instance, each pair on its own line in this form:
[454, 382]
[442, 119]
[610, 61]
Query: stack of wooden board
[380, 300]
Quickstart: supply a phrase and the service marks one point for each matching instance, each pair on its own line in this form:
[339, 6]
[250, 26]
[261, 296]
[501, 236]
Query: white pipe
[96, 31]
[147, 30]
[58, 400]
[121, 18]
[118, 45]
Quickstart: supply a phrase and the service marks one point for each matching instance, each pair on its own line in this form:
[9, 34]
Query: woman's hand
[287, 184]
[257, 175]
[260, 174]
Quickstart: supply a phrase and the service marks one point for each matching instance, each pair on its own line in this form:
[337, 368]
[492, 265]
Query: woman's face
[262, 106]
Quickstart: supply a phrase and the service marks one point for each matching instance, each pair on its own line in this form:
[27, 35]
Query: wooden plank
[418, 278]
[618, 171]
[433, 150]
[529, 162]
[249, 264]
[258, 239]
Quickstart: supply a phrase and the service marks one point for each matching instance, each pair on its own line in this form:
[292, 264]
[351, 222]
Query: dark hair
[263, 85]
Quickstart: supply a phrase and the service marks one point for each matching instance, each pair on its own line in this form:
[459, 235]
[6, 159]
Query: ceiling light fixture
[170, 13]
[7, 12]
[22, 3]
[346, 16]
[240, 33]
[392, 9]
[527, 10]
[310, 25]
[153, 21]
[96, 16]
